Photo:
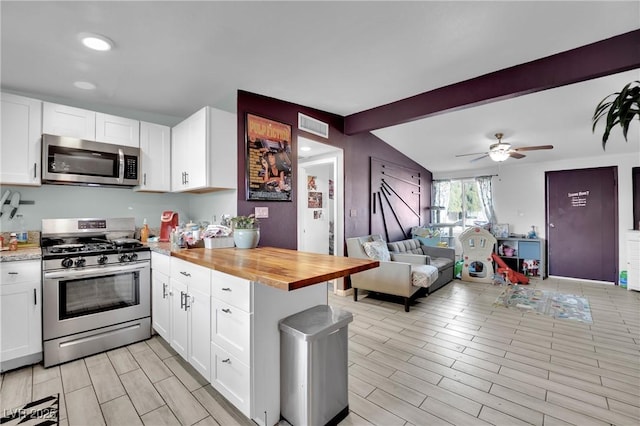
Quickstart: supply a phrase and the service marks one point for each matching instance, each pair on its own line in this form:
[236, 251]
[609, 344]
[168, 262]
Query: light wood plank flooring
[454, 359]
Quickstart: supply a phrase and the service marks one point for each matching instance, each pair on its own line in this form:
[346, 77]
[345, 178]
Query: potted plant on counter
[246, 231]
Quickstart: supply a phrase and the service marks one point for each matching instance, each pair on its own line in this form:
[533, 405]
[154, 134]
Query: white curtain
[440, 198]
[486, 197]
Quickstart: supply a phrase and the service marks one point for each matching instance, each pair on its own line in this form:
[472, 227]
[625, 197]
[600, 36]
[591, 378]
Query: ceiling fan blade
[516, 155]
[479, 158]
[533, 148]
[475, 153]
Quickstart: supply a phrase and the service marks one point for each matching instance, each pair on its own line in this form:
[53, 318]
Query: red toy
[511, 275]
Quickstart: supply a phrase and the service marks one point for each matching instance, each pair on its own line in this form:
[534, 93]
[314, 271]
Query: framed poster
[315, 200]
[269, 174]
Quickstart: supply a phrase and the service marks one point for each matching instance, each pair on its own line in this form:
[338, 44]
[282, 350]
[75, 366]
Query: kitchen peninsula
[220, 308]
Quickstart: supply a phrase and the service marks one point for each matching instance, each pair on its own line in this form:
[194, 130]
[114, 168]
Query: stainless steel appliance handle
[121, 168]
[88, 272]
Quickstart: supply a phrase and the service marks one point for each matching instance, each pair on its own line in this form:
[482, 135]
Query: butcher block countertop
[276, 267]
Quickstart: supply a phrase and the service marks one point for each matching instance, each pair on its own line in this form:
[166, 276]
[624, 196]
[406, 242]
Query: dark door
[582, 223]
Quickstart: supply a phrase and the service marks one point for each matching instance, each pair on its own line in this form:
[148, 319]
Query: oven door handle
[82, 273]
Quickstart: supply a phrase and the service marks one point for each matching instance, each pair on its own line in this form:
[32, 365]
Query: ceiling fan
[500, 151]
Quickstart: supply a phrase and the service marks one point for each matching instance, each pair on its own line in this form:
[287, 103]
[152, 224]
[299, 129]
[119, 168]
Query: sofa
[407, 275]
[443, 258]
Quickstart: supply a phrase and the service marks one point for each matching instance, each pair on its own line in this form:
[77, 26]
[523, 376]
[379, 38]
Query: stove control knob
[124, 258]
[133, 257]
[102, 259]
[67, 262]
[80, 262]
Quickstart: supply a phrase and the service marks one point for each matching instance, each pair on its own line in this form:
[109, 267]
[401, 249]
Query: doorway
[582, 223]
[320, 199]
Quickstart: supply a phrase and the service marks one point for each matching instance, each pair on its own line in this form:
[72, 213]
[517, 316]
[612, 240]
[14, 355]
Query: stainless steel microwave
[74, 161]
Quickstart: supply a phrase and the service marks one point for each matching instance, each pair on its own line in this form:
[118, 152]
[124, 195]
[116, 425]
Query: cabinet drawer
[529, 250]
[161, 263]
[194, 276]
[231, 378]
[231, 329]
[20, 271]
[233, 290]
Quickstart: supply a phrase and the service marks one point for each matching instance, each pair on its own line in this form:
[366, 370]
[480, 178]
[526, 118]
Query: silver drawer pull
[186, 274]
[226, 289]
[13, 273]
[226, 311]
[226, 361]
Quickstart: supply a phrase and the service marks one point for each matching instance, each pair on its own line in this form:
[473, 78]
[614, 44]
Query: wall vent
[312, 125]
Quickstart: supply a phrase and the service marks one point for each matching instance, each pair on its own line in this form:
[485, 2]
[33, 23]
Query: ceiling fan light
[500, 151]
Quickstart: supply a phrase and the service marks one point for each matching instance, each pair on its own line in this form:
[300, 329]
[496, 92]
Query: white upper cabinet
[155, 158]
[117, 130]
[63, 120]
[204, 152]
[21, 140]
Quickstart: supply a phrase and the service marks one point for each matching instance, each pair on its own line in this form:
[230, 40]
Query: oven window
[98, 294]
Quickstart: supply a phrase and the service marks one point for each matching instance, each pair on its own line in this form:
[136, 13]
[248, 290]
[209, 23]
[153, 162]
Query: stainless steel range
[96, 287]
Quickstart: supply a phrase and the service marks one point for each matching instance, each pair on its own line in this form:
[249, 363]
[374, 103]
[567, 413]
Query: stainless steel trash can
[313, 366]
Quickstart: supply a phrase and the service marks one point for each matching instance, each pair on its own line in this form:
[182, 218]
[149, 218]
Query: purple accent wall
[610, 56]
[280, 229]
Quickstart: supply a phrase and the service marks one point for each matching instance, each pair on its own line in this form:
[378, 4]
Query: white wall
[519, 191]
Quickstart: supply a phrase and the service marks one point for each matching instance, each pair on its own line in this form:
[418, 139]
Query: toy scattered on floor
[511, 275]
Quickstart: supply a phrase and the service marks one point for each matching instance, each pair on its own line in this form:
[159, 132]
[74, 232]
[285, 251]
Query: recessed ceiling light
[305, 148]
[84, 85]
[96, 42]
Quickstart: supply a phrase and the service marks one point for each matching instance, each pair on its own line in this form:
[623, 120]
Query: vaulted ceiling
[171, 58]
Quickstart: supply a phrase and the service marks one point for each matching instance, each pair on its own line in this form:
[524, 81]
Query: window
[458, 203]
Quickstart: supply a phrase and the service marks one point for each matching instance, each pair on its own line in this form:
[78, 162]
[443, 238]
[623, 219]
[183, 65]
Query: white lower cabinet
[191, 314]
[21, 313]
[231, 339]
[226, 327]
[232, 378]
[161, 295]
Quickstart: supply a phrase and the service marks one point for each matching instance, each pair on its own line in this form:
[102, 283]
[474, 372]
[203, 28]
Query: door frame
[335, 157]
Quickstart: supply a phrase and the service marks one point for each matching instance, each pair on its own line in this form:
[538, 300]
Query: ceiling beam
[606, 57]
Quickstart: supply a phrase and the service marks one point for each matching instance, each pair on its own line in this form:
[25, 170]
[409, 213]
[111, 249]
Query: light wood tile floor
[454, 359]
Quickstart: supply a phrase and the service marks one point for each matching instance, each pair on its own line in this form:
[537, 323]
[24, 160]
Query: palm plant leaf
[624, 107]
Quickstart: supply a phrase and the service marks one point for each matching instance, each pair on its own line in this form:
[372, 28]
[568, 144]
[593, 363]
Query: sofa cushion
[423, 275]
[441, 262]
[377, 250]
[405, 246]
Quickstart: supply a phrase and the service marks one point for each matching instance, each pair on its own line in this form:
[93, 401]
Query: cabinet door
[161, 304]
[117, 130]
[231, 378]
[200, 331]
[21, 140]
[64, 120]
[231, 329]
[21, 314]
[179, 145]
[155, 154]
[179, 319]
[197, 150]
